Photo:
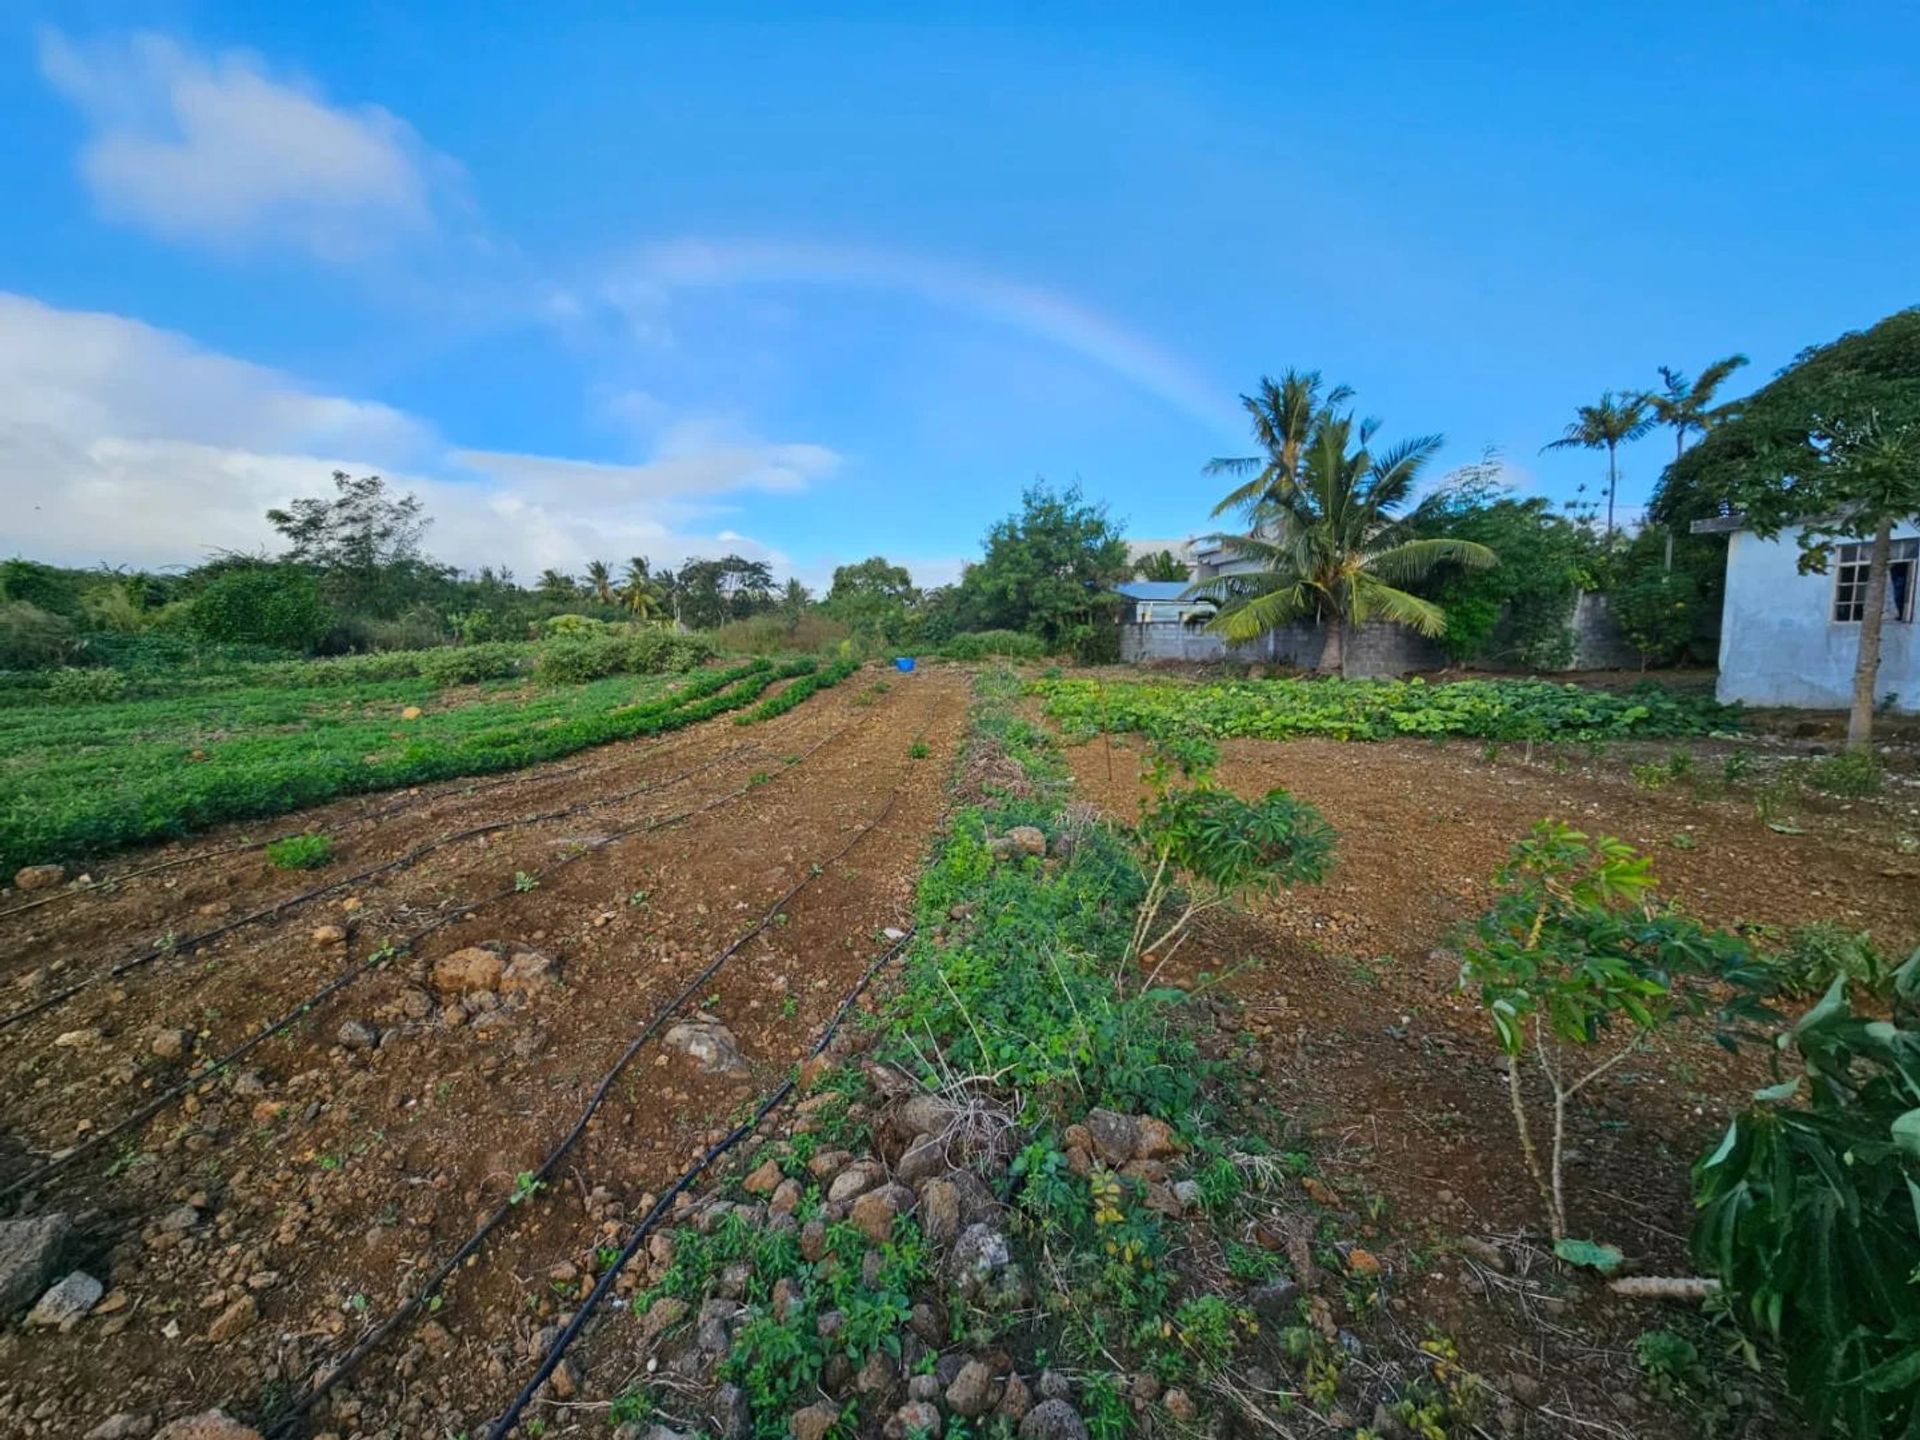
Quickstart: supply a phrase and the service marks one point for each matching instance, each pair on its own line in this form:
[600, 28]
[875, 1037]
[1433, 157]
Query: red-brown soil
[327, 1178]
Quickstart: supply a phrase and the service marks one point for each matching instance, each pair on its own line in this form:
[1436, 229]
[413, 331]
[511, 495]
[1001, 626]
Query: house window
[1850, 581]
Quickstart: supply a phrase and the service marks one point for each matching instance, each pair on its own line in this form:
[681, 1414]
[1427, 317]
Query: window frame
[1851, 562]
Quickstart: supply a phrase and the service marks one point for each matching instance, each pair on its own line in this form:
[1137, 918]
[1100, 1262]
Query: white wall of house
[1780, 643]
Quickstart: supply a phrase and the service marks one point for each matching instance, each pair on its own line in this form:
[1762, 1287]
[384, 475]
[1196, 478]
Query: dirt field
[255, 1228]
[1398, 1078]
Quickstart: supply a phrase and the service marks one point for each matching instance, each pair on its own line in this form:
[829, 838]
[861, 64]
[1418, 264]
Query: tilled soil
[1369, 1046]
[251, 1233]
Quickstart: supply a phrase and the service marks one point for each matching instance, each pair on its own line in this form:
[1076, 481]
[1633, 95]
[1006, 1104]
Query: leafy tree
[1325, 534]
[1686, 406]
[363, 542]
[1657, 610]
[1615, 421]
[712, 592]
[1161, 565]
[262, 605]
[795, 601]
[1831, 445]
[1047, 569]
[1521, 607]
[872, 597]
[600, 582]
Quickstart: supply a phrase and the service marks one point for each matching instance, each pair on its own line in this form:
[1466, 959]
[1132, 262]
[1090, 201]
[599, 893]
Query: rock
[980, 1251]
[877, 1375]
[179, 1219]
[467, 971]
[1155, 1139]
[765, 1180]
[208, 1425]
[527, 972]
[77, 1039]
[329, 935]
[873, 1213]
[665, 1312]
[171, 1044]
[1180, 1405]
[357, 1035]
[710, 1045]
[924, 1115]
[813, 1241]
[1055, 1386]
[1145, 1388]
[67, 1303]
[854, 1181]
[813, 1423]
[1276, 1301]
[1028, 839]
[1484, 1251]
[928, 1323]
[916, 1418]
[1187, 1192]
[940, 1211]
[732, 1417]
[786, 1198]
[412, 712]
[924, 1159]
[233, 1320]
[1161, 1200]
[923, 1387]
[971, 1393]
[1053, 1420]
[1363, 1262]
[39, 877]
[127, 1425]
[1115, 1136]
[1525, 1388]
[28, 1249]
[1015, 1401]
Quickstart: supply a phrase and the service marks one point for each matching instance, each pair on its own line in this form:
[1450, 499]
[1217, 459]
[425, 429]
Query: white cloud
[132, 445]
[216, 151]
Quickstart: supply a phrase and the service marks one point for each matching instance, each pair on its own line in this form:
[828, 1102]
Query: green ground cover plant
[798, 692]
[83, 781]
[1518, 710]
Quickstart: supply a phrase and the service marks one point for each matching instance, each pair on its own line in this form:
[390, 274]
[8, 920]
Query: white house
[1792, 639]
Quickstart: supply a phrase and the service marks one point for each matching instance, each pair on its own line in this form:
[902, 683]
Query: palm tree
[1607, 426]
[638, 592]
[600, 581]
[1327, 540]
[556, 585]
[1285, 414]
[1161, 565]
[1687, 405]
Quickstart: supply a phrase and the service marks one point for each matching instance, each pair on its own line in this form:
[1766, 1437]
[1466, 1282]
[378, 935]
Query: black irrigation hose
[279, 908]
[347, 977]
[352, 1360]
[774, 1098]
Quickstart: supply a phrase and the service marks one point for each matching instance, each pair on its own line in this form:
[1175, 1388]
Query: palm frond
[1415, 559]
[1371, 598]
[1255, 615]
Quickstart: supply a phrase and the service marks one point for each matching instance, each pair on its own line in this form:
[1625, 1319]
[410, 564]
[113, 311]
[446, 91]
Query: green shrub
[1656, 611]
[1852, 772]
[31, 638]
[640, 652]
[268, 605]
[1809, 1214]
[1815, 955]
[470, 664]
[990, 644]
[70, 685]
[300, 852]
[776, 635]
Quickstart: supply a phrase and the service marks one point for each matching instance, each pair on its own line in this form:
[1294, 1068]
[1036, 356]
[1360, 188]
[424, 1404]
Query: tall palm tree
[1687, 405]
[600, 581]
[1337, 549]
[557, 585]
[1607, 426]
[1285, 413]
[638, 592]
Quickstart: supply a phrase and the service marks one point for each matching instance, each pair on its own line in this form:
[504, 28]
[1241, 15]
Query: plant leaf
[1591, 1254]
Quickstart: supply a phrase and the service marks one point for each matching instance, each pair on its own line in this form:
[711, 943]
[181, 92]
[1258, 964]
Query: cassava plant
[1576, 959]
[1810, 1212]
[1208, 846]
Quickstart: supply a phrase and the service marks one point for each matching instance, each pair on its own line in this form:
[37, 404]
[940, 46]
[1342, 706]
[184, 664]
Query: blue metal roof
[1152, 589]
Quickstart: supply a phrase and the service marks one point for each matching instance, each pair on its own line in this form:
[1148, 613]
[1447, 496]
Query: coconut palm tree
[600, 581]
[1285, 413]
[1687, 405]
[1327, 541]
[1607, 426]
[557, 585]
[638, 592]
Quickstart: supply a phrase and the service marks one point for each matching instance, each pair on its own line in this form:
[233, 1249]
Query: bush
[642, 652]
[774, 635]
[470, 664]
[268, 605]
[1810, 1214]
[988, 644]
[70, 685]
[1853, 773]
[32, 638]
[1815, 955]
[1656, 610]
[300, 852]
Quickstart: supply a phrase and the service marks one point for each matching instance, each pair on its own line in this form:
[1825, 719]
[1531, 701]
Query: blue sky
[702, 277]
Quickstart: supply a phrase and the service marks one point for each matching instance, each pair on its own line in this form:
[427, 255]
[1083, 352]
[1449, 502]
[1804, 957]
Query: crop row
[84, 798]
[797, 692]
[1381, 709]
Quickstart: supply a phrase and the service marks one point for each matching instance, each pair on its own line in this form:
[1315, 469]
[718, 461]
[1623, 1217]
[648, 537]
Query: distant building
[1793, 639]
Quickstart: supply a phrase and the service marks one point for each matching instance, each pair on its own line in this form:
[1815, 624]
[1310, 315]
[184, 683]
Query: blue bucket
[903, 662]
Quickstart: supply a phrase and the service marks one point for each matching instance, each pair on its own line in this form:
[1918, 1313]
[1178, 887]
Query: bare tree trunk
[1866, 670]
[1333, 649]
[1613, 483]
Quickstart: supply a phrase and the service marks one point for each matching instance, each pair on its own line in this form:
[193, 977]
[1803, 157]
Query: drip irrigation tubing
[292, 902]
[557, 1351]
[538, 1177]
[215, 1066]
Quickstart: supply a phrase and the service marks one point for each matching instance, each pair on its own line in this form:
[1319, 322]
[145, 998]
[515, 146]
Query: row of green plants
[798, 692]
[1507, 710]
[1809, 1207]
[83, 783]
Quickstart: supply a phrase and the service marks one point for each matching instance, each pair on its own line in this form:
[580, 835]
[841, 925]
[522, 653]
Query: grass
[82, 780]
